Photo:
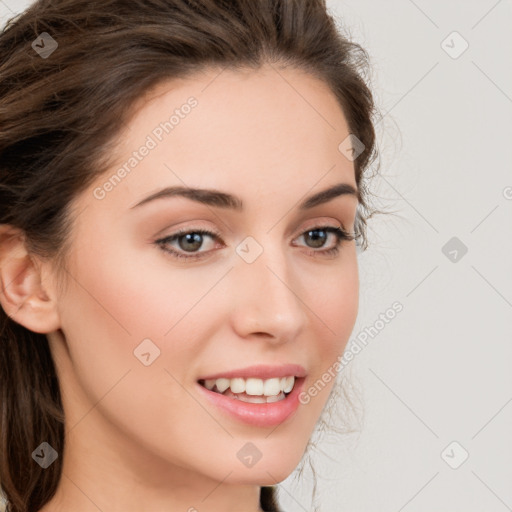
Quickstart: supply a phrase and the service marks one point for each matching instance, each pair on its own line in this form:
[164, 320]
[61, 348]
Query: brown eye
[318, 240]
[319, 235]
[189, 241]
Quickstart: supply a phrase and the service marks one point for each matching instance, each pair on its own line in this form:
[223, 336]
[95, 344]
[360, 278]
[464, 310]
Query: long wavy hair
[58, 116]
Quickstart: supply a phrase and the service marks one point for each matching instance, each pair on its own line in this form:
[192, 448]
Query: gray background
[440, 371]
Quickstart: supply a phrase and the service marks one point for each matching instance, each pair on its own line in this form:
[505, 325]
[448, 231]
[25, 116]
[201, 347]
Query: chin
[271, 469]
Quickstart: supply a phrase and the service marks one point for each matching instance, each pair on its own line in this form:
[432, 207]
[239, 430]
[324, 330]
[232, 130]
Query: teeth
[254, 399]
[222, 384]
[210, 383]
[287, 383]
[237, 385]
[272, 387]
[244, 397]
[271, 399]
[252, 386]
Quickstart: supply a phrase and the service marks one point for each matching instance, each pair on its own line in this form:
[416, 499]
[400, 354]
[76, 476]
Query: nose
[266, 299]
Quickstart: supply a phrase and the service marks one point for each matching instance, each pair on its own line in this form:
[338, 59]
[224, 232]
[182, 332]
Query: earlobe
[23, 294]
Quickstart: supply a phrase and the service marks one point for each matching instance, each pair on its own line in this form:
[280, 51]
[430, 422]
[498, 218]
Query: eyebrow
[220, 199]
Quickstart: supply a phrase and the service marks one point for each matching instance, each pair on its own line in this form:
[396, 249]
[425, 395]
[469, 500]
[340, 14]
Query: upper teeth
[253, 386]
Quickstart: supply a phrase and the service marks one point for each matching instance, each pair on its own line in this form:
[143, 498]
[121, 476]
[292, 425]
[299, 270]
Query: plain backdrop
[436, 380]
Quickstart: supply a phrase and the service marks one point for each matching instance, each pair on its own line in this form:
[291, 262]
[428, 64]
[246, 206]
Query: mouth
[253, 390]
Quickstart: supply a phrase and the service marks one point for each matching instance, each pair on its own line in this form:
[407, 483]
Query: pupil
[317, 238]
[194, 238]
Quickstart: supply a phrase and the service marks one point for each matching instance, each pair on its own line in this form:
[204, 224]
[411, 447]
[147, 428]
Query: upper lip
[260, 372]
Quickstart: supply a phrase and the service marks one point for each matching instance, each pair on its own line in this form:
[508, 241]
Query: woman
[182, 191]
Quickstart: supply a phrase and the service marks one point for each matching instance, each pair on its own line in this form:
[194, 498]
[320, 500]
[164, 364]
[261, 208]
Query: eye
[319, 235]
[189, 240]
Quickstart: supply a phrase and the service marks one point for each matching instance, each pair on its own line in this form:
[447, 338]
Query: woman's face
[140, 326]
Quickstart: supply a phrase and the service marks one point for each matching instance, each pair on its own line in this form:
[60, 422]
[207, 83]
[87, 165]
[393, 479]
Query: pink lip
[260, 372]
[259, 415]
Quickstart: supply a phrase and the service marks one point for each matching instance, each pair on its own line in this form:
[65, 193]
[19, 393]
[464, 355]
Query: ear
[24, 295]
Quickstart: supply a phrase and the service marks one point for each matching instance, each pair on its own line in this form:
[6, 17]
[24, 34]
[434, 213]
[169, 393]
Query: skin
[141, 437]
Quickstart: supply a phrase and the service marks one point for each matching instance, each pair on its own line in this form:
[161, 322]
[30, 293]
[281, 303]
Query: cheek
[336, 306]
[131, 296]
[115, 302]
[110, 307]
[335, 303]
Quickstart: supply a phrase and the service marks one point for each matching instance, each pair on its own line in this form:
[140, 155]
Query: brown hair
[59, 116]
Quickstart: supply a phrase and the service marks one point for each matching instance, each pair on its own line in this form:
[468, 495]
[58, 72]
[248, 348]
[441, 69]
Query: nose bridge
[267, 293]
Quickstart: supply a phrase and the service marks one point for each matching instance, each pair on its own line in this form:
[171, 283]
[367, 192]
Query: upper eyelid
[323, 220]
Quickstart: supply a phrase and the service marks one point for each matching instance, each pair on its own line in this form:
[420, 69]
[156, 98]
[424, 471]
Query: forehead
[261, 130]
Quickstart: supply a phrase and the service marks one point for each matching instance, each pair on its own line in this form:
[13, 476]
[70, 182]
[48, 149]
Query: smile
[257, 409]
[252, 390]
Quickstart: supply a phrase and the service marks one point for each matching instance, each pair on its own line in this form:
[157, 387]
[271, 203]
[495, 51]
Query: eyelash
[339, 232]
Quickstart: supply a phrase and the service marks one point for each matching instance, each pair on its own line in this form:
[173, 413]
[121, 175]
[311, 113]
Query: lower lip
[259, 415]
